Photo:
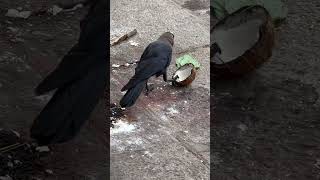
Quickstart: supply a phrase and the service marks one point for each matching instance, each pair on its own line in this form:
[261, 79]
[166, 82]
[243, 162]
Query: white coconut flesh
[235, 41]
[183, 73]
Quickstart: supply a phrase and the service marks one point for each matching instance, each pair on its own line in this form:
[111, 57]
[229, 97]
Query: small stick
[11, 147]
[124, 37]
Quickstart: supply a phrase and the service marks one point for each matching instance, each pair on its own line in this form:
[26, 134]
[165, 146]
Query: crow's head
[167, 36]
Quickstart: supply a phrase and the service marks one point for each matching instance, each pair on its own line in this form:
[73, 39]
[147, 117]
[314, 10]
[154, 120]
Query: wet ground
[266, 125]
[165, 135]
[30, 48]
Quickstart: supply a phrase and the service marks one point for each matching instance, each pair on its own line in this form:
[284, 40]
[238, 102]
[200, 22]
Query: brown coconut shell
[188, 80]
[253, 57]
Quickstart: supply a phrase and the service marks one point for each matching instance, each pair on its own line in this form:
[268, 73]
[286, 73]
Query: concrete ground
[165, 135]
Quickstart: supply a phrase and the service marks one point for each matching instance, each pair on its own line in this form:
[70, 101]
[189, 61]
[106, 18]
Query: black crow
[154, 61]
[80, 81]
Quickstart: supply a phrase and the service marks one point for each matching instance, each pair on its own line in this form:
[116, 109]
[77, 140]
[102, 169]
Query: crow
[154, 61]
[79, 80]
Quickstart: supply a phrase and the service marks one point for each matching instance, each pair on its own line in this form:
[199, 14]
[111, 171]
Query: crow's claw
[149, 88]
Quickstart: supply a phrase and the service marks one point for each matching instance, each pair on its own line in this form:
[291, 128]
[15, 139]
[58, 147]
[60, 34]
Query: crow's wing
[70, 107]
[73, 66]
[90, 50]
[145, 70]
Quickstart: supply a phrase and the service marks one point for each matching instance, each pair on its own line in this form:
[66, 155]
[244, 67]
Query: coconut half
[184, 75]
[241, 41]
[235, 41]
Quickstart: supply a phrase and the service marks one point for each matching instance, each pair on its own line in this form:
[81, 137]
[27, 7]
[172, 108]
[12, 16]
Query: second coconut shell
[253, 57]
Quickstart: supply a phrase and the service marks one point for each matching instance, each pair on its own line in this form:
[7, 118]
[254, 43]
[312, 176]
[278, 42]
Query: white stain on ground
[122, 127]
[136, 141]
[124, 136]
[133, 43]
[126, 143]
[172, 111]
[164, 118]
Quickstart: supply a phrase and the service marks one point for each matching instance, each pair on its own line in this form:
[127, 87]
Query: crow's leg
[149, 88]
[165, 77]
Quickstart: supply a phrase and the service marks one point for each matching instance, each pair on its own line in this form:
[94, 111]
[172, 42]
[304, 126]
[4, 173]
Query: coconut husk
[226, 66]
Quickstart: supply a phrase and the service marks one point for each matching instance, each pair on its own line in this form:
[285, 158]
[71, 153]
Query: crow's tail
[69, 108]
[132, 95]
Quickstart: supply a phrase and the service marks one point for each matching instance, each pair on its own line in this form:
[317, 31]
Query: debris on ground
[172, 111]
[78, 6]
[133, 43]
[14, 13]
[42, 149]
[16, 133]
[276, 8]
[55, 10]
[17, 162]
[18, 158]
[49, 171]
[124, 65]
[13, 30]
[115, 65]
[242, 127]
[124, 37]
[116, 111]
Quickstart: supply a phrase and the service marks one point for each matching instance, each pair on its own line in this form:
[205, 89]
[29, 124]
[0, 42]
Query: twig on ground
[124, 37]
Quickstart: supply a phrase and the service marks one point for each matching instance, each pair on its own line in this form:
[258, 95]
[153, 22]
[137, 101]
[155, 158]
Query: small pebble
[115, 65]
[126, 64]
[49, 171]
[42, 149]
[242, 127]
[12, 29]
[55, 10]
[16, 14]
[17, 162]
